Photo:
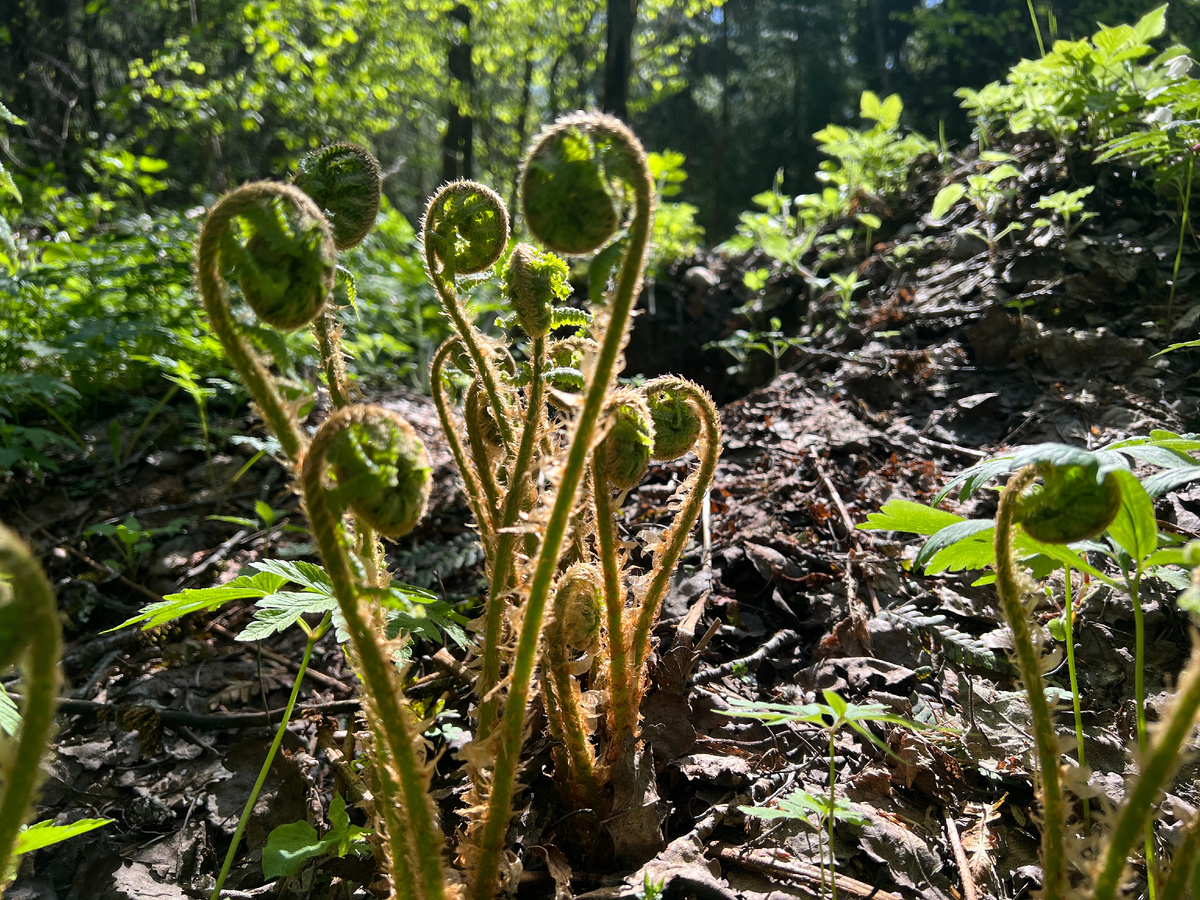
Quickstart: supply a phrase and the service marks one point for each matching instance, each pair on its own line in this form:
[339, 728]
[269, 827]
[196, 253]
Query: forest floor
[935, 366]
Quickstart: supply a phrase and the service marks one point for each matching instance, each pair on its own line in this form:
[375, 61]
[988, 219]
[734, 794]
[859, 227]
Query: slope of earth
[953, 350]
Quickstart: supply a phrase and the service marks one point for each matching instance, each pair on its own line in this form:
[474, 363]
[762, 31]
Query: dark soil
[929, 371]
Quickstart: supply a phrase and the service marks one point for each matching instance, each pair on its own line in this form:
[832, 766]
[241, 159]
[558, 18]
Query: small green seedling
[132, 542]
[987, 192]
[1066, 205]
[290, 846]
[830, 716]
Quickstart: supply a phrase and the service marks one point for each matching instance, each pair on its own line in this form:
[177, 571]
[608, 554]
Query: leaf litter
[945, 358]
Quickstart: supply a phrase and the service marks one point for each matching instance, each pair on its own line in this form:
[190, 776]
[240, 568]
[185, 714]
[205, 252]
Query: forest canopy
[182, 101]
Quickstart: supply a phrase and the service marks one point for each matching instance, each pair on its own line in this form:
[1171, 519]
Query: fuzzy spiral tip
[1073, 504]
[287, 262]
[625, 450]
[344, 181]
[579, 604]
[466, 227]
[564, 189]
[676, 422]
[533, 282]
[381, 466]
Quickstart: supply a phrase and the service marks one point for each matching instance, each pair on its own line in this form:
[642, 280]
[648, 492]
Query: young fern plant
[546, 438]
[542, 447]
[1076, 503]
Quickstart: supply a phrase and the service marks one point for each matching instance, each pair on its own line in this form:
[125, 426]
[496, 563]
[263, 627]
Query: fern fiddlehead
[681, 411]
[550, 193]
[465, 230]
[285, 270]
[344, 181]
[532, 282]
[30, 635]
[379, 456]
[574, 624]
[1073, 504]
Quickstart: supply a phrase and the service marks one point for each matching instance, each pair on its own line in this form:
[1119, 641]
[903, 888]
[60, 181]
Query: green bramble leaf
[961, 546]
[906, 515]
[198, 600]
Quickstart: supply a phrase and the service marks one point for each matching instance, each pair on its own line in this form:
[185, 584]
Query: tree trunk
[523, 122]
[460, 127]
[722, 128]
[618, 56]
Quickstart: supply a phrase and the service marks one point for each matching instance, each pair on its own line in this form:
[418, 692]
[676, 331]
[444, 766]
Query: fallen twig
[766, 862]
[780, 641]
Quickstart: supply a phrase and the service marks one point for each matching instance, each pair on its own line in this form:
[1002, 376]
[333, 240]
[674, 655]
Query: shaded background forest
[122, 122]
[222, 91]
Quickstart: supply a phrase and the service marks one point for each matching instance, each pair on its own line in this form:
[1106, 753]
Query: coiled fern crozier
[545, 447]
[1074, 503]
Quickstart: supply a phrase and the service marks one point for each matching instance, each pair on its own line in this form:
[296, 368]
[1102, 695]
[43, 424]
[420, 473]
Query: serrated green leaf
[970, 479]
[1135, 528]
[966, 544]
[195, 600]
[46, 834]
[1150, 26]
[281, 610]
[908, 516]
[310, 575]
[1161, 482]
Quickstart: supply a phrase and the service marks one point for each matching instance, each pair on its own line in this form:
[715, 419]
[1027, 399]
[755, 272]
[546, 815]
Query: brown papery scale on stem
[624, 453]
[480, 419]
[286, 266]
[344, 181]
[382, 469]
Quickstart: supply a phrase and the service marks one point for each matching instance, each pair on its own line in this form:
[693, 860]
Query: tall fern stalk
[1012, 587]
[604, 369]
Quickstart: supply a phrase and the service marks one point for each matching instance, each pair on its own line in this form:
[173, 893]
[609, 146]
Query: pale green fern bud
[344, 181]
[1071, 504]
[563, 192]
[580, 605]
[466, 227]
[624, 454]
[533, 281]
[382, 469]
[676, 422]
[287, 265]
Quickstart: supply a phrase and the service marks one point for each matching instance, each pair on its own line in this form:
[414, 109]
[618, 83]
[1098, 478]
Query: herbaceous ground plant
[546, 447]
[1065, 508]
